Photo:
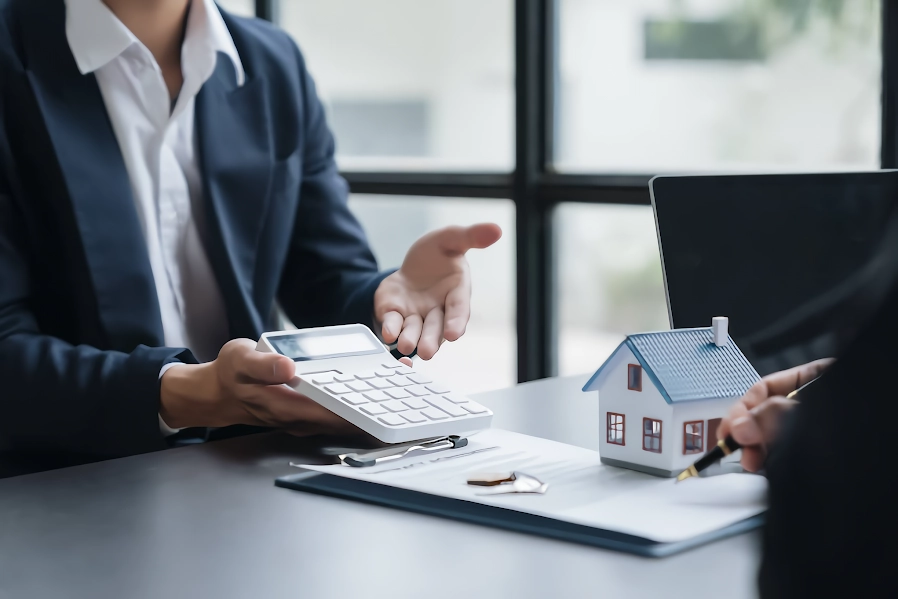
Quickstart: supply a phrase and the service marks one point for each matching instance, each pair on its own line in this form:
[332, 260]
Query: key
[380, 383]
[433, 414]
[404, 370]
[364, 376]
[359, 386]
[383, 372]
[392, 420]
[474, 408]
[419, 379]
[373, 410]
[456, 398]
[344, 378]
[323, 378]
[376, 395]
[438, 388]
[414, 417]
[418, 391]
[395, 406]
[447, 406]
[396, 393]
[355, 399]
[394, 365]
[416, 403]
[338, 389]
[400, 381]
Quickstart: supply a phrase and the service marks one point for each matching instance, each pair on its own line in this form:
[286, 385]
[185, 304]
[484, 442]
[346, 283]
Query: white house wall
[634, 405]
[684, 412]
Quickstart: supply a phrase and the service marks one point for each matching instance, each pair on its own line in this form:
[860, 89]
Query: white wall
[635, 405]
[689, 411]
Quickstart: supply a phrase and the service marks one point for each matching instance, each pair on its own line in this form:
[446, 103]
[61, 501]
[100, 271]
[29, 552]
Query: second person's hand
[754, 421]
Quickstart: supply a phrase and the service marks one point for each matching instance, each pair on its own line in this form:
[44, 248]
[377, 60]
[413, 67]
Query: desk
[207, 521]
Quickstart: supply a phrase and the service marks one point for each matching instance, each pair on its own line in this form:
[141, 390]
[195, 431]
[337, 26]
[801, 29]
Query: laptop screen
[781, 255]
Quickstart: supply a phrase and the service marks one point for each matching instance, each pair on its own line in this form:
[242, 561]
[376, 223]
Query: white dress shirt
[157, 141]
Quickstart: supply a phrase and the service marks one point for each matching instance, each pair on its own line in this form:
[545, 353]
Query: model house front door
[713, 423]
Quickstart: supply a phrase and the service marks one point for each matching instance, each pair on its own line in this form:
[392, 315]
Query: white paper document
[582, 490]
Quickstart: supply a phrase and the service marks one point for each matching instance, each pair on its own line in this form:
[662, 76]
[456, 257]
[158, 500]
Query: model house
[662, 396]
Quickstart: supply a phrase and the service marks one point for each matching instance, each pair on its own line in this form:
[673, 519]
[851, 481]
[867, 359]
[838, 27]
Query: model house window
[616, 429]
[634, 377]
[694, 437]
[651, 435]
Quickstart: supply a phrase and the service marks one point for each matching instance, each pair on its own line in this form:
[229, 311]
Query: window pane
[244, 8]
[664, 85]
[609, 281]
[411, 84]
[485, 357]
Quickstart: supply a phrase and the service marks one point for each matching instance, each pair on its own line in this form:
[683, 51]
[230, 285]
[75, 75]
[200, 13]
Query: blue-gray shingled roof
[686, 365]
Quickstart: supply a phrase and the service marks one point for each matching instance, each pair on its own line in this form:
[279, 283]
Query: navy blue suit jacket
[81, 342]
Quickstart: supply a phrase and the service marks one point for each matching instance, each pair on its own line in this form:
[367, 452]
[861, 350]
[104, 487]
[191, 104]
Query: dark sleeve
[330, 274]
[831, 527]
[56, 398]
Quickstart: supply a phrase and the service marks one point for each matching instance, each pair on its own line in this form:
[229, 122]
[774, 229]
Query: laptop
[789, 258]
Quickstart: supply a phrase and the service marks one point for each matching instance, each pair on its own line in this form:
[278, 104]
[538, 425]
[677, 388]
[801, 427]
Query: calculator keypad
[397, 396]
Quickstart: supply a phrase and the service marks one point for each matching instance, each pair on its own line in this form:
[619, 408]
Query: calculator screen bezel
[379, 347]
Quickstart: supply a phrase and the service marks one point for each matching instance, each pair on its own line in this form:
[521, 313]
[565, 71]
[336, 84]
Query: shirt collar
[97, 37]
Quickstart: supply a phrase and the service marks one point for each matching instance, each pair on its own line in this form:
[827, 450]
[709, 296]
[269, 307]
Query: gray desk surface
[207, 521]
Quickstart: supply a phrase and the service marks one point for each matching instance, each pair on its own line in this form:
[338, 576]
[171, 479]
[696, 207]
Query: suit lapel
[97, 180]
[237, 163]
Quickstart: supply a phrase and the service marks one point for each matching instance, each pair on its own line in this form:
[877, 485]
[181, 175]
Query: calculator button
[456, 398]
[364, 376]
[358, 386]
[323, 378]
[474, 408]
[396, 393]
[400, 381]
[418, 391]
[414, 417]
[392, 420]
[354, 399]
[383, 372]
[420, 379]
[373, 410]
[344, 378]
[447, 406]
[404, 370]
[434, 414]
[438, 388]
[395, 406]
[376, 395]
[338, 389]
[380, 384]
[416, 403]
[394, 365]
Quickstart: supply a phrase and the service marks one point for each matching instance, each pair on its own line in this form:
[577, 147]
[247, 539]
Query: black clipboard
[496, 517]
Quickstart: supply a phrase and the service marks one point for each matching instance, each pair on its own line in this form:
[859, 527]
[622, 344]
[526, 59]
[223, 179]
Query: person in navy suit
[167, 180]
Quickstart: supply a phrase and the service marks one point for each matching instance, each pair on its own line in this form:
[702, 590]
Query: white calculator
[350, 372]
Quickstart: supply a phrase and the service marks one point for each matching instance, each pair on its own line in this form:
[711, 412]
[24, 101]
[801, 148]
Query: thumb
[458, 240]
[259, 367]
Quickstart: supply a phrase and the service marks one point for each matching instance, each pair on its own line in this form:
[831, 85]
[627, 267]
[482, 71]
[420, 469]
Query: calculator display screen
[313, 346]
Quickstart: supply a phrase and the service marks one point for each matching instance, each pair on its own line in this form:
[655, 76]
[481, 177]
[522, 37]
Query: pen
[723, 448]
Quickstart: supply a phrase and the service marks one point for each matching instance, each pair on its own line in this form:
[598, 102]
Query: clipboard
[497, 517]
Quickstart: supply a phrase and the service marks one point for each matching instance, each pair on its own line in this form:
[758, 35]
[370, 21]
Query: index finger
[787, 381]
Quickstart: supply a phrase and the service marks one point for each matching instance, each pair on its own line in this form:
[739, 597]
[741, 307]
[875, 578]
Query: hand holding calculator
[347, 370]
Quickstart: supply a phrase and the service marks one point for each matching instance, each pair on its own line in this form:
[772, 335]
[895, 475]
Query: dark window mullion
[889, 153]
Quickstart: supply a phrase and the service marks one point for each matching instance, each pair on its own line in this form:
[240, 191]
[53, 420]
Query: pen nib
[687, 473]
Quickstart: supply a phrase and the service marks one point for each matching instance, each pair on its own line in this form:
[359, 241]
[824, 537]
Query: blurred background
[549, 117]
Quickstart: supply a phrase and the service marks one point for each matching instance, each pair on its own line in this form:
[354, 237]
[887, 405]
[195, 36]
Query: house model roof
[686, 365]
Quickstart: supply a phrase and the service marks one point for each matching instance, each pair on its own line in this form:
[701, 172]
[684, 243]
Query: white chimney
[720, 326]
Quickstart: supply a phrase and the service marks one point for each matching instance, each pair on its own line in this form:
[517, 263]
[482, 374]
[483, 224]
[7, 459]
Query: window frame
[651, 435]
[609, 427]
[535, 187]
[631, 368]
[701, 437]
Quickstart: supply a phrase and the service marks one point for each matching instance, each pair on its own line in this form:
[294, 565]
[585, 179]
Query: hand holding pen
[754, 421]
